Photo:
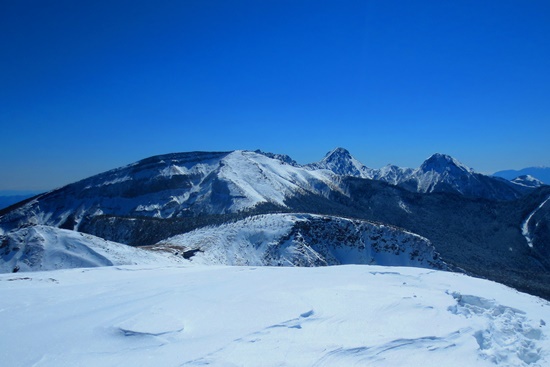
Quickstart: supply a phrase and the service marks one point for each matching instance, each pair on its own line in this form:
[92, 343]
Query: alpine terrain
[202, 259]
[482, 225]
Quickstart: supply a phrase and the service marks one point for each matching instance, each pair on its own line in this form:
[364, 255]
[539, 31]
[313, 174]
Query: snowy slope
[528, 181]
[255, 178]
[46, 248]
[306, 240]
[174, 185]
[245, 316]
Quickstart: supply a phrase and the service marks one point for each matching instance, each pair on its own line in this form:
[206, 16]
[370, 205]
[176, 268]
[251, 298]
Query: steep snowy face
[174, 185]
[527, 181]
[306, 240]
[342, 163]
[256, 178]
[40, 248]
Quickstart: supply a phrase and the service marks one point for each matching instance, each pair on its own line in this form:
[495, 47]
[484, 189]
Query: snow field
[248, 316]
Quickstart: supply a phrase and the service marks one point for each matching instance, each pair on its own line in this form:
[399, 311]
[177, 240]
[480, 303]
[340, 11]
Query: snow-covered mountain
[443, 173]
[528, 181]
[306, 240]
[159, 197]
[268, 316]
[172, 186]
[197, 183]
[439, 173]
[342, 163]
[40, 248]
[540, 173]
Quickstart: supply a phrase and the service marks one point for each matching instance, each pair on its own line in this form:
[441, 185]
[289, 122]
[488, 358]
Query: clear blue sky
[86, 86]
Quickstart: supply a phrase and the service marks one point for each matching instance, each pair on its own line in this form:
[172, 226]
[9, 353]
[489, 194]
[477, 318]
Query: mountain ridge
[455, 208]
[193, 183]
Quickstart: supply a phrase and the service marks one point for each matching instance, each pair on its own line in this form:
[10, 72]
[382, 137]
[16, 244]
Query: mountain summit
[443, 163]
[342, 163]
[438, 173]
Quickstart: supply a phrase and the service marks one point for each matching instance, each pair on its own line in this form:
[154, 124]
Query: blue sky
[86, 86]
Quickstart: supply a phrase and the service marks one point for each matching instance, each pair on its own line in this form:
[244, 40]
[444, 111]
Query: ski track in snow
[525, 226]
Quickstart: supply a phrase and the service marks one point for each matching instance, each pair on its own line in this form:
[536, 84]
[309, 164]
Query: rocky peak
[442, 163]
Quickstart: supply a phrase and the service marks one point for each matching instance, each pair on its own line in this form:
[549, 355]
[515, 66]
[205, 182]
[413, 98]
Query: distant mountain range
[540, 173]
[483, 225]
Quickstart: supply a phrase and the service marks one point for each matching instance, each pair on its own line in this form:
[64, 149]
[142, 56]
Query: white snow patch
[404, 206]
[525, 226]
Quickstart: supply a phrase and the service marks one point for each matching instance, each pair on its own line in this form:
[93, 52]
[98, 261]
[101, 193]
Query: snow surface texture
[306, 240]
[46, 248]
[247, 316]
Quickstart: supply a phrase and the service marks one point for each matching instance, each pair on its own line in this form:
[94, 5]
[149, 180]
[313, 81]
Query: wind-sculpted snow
[40, 248]
[306, 240]
[507, 337]
[268, 316]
